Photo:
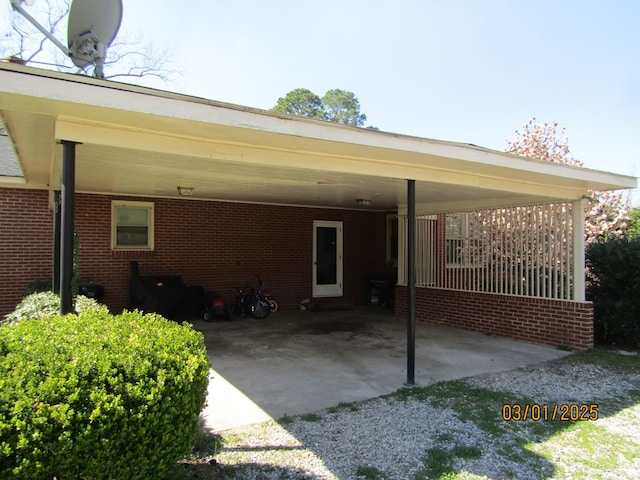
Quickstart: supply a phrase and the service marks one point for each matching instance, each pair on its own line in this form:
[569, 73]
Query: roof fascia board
[11, 181]
[69, 90]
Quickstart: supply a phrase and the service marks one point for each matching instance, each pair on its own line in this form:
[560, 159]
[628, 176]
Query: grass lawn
[569, 448]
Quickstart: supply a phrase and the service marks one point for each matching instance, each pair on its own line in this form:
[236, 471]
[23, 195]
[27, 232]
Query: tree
[338, 106]
[301, 102]
[544, 141]
[125, 58]
[343, 107]
[607, 212]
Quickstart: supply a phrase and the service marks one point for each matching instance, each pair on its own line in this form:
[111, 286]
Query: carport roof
[145, 142]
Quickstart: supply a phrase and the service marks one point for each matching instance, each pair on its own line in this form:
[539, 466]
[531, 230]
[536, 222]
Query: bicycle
[273, 305]
[256, 303]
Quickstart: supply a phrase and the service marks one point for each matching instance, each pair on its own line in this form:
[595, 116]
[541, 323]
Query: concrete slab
[296, 362]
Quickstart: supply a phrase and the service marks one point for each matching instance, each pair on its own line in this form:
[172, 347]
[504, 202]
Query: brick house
[220, 193]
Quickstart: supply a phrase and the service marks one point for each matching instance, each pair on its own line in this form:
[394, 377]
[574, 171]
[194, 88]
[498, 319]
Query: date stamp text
[564, 412]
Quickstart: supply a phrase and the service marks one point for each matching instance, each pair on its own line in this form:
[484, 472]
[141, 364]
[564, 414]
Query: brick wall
[213, 244]
[223, 245]
[26, 242]
[550, 322]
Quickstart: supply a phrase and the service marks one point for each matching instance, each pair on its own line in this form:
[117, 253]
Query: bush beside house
[613, 285]
[46, 304]
[97, 396]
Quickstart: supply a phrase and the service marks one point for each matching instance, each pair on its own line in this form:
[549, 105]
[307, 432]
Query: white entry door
[327, 259]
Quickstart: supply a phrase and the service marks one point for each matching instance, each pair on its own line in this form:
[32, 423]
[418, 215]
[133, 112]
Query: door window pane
[327, 249]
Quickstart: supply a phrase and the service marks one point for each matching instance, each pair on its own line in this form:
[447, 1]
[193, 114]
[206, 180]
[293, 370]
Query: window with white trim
[131, 225]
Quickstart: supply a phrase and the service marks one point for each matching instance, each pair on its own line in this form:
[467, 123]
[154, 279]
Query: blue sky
[470, 71]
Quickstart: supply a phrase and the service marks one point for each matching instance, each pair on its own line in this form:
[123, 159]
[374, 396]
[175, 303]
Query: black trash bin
[381, 291]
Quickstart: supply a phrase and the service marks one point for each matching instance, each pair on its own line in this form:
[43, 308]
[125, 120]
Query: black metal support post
[411, 281]
[56, 241]
[67, 220]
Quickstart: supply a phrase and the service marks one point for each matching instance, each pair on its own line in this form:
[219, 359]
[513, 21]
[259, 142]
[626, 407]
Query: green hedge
[96, 396]
[613, 285]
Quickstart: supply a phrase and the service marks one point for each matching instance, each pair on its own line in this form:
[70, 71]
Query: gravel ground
[392, 437]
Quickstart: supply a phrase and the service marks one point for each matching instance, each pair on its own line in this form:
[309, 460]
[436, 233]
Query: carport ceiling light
[185, 191]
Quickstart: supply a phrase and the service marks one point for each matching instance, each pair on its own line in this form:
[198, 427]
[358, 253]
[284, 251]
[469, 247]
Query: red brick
[213, 244]
[545, 321]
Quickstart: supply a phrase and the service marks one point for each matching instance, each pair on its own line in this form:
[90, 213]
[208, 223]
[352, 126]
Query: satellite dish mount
[93, 24]
[85, 49]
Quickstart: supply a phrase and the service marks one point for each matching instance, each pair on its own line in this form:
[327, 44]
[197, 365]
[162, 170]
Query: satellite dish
[93, 24]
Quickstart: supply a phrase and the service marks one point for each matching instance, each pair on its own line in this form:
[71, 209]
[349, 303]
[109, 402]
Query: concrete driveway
[297, 362]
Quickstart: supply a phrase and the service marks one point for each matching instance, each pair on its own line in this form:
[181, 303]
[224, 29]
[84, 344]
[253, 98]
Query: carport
[81, 136]
[298, 362]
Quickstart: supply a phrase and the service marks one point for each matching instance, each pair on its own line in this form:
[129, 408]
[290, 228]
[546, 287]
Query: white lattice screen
[518, 251]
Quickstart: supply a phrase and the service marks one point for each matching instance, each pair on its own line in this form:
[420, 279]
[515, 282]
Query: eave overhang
[144, 142]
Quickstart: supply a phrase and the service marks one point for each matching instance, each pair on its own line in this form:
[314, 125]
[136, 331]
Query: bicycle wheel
[260, 308]
[273, 305]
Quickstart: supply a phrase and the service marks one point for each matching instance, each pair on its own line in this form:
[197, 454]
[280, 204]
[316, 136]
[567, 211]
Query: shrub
[613, 285]
[47, 304]
[40, 285]
[96, 396]
[633, 230]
